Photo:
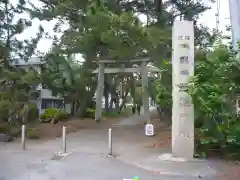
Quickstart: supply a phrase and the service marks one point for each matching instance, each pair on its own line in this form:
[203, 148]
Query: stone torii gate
[143, 69]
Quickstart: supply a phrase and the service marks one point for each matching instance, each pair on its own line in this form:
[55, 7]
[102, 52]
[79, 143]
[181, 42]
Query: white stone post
[64, 139]
[23, 137]
[110, 142]
[182, 107]
[99, 92]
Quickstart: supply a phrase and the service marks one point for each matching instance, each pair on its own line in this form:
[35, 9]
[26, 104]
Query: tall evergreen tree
[15, 83]
[111, 29]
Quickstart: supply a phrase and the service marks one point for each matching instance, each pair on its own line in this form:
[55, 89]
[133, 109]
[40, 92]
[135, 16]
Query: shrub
[212, 92]
[49, 113]
[4, 110]
[33, 133]
[62, 116]
[4, 128]
[111, 114]
[90, 113]
[15, 131]
[53, 113]
[33, 112]
[10, 129]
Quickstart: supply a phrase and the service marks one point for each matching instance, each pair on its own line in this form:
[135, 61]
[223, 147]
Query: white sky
[207, 19]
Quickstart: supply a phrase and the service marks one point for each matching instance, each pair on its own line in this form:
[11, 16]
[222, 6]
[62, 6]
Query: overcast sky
[208, 19]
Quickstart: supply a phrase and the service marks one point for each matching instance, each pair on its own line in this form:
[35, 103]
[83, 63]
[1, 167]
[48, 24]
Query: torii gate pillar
[99, 92]
[145, 96]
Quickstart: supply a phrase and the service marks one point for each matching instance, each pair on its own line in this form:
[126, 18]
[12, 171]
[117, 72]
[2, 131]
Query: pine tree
[109, 29]
[15, 84]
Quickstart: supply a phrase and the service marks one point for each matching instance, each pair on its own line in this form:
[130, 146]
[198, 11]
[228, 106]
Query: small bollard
[23, 137]
[110, 142]
[64, 140]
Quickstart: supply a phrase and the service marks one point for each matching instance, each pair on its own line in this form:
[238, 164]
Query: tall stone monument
[182, 108]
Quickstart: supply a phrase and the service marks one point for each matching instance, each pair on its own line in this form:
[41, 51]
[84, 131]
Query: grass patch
[111, 114]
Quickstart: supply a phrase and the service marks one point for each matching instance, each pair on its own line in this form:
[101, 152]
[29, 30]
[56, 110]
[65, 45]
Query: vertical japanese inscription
[183, 115]
[183, 37]
[184, 102]
[184, 60]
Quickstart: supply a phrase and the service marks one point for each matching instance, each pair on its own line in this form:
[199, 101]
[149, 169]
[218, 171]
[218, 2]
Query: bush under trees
[53, 113]
[214, 90]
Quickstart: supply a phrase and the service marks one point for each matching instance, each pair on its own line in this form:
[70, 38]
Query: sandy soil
[50, 131]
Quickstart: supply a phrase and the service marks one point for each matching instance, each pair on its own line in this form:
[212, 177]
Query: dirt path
[51, 131]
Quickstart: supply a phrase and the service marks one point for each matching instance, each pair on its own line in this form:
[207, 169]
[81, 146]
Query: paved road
[88, 160]
[78, 166]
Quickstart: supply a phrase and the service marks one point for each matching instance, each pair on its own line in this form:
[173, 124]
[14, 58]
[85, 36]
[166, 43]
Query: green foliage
[164, 87]
[15, 83]
[30, 114]
[51, 113]
[213, 90]
[90, 113]
[63, 116]
[73, 81]
[12, 129]
[4, 128]
[107, 30]
[5, 105]
[164, 96]
[32, 133]
[112, 114]
[33, 112]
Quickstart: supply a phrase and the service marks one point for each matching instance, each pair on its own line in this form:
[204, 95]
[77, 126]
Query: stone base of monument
[167, 164]
[170, 157]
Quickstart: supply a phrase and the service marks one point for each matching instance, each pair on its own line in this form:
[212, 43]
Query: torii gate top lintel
[122, 61]
[123, 69]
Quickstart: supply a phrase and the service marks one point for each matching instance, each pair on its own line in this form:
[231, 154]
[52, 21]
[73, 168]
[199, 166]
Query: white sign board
[149, 130]
[182, 109]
